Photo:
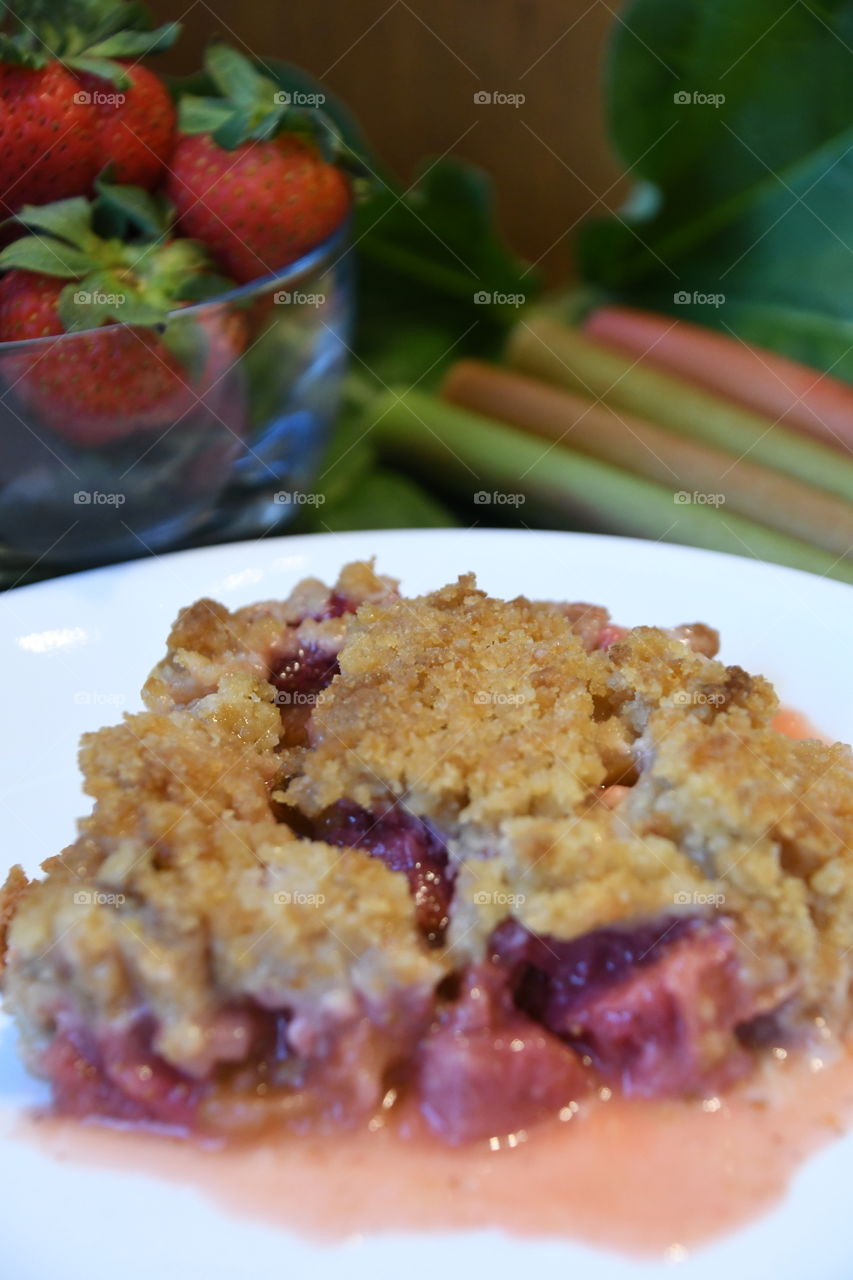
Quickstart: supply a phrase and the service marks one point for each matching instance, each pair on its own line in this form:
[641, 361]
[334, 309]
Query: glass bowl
[120, 441]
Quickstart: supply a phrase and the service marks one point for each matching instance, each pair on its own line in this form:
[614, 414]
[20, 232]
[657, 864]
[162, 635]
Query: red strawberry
[134, 126]
[111, 379]
[103, 385]
[259, 207]
[256, 196]
[28, 306]
[93, 387]
[57, 132]
[47, 148]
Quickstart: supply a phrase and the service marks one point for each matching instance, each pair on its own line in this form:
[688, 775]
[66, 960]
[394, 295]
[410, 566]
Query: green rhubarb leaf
[745, 142]
[443, 234]
[437, 280]
[384, 499]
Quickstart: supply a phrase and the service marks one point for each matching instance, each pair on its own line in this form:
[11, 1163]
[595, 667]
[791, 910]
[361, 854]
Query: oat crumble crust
[492, 720]
[495, 721]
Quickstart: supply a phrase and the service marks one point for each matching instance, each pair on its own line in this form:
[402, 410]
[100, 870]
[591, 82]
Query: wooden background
[410, 69]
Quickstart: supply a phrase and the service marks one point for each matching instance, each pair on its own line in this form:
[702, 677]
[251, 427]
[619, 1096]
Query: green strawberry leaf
[202, 115]
[17, 52]
[300, 87]
[46, 256]
[122, 211]
[102, 18]
[103, 68]
[202, 287]
[102, 297]
[236, 129]
[251, 106]
[123, 267]
[236, 78]
[175, 260]
[88, 34]
[70, 220]
[161, 275]
[136, 44]
[274, 122]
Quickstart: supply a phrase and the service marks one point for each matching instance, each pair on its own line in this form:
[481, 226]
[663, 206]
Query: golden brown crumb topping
[576, 782]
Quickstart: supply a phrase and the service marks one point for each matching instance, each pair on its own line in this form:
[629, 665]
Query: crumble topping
[358, 839]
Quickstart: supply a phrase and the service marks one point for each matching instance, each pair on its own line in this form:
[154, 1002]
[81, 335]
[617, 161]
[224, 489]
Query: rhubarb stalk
[753, 377]
[548, 349]
[698, 472]
[488, 461]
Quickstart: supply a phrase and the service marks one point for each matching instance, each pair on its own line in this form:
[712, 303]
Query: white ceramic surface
[74, 653]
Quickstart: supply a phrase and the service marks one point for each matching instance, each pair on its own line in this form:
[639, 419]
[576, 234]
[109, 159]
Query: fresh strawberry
[102, 386]
[128, 371]
[68, 108]
[256, 195]
[47, 147]
[29, 306]
[134, 126]
[97, 387]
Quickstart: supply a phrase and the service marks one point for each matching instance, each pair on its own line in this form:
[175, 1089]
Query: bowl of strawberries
[175, 297]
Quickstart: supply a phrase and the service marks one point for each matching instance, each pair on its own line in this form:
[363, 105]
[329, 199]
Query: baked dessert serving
[465, 859]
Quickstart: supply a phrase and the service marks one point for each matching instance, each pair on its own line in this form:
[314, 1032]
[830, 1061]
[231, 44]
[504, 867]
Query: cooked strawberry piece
[656, 1008]
[404, 843]
[555, 974]
[487, 1069]
[120, 1078]
[337, 606]
[301, 674]
[609, 635]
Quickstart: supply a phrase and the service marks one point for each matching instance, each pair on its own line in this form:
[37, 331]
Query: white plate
[74, 653]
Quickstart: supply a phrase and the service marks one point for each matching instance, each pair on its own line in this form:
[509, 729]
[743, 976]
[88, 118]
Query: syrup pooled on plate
[639, 1177]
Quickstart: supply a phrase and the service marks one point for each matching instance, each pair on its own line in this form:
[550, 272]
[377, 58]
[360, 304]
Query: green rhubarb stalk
[473, 455]
[762, 381]
[548, 349]
[646, 449]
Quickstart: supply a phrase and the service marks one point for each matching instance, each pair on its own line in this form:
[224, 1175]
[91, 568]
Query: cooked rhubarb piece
[472, 857]
[487, 1069]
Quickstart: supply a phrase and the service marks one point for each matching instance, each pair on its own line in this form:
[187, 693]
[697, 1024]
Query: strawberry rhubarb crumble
[474, 857]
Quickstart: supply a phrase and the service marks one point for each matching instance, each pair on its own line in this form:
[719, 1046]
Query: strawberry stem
[250, 107]
[133, 278]
[85, 35]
